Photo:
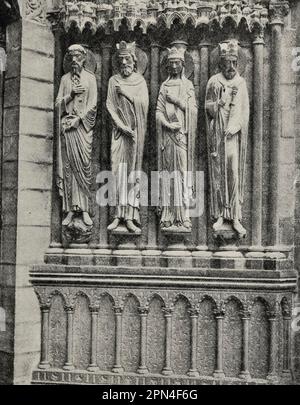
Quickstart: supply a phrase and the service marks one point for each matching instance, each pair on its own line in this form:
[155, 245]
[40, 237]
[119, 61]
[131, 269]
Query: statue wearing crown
[127, 103]
[176, 117]
[227, 117]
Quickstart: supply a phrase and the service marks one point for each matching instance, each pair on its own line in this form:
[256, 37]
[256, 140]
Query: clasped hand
[77, 89]
[72, 122]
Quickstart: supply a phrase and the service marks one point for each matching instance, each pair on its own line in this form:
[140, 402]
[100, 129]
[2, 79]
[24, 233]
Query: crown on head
[125, 48]
[176, 53]
[230, 48]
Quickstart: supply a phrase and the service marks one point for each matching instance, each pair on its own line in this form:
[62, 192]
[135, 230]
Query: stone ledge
[56, 376]
[88, 257]
[163, 277]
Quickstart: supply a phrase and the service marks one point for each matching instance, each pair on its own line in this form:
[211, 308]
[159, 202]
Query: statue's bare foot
[131, 227]
[218, 224]
[87, 219]
[115, 223]
[68, 219]
[187, 224]
[238, 227]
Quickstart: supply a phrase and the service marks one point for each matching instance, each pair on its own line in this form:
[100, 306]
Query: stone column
[193, 372]
[118, 314]
[245, 374]
[219, 314]
[143, 356]
[44, 363]
[273, 325]
[258, 86]
[278, 10]
[94, 324]
[69, 361]
[167, 370]
[286, 313]
[56, 212]
[204, 76]
[154, 90]
[105, 134]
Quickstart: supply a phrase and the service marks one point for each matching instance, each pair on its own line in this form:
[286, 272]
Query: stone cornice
[109, 15]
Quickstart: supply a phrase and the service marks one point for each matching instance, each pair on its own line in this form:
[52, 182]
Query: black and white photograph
[149, 195]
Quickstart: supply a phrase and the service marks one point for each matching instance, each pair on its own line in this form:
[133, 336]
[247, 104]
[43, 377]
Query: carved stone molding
[35, 10]
[144, 14]
[277, 11]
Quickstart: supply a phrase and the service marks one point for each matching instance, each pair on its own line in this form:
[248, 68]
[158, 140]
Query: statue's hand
[78, 89]
[128, 132]
[214, 155]
[174, 126]
[74, 123]
[221, 102]
[234, 91]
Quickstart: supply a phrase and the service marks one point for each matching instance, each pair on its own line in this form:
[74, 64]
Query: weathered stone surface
[42, 94]
[36, 66]
[36, 122]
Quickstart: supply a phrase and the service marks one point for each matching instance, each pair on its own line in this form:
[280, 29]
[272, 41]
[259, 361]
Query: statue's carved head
[175, 61]
[77, 55]
[126, 58]
[228, 52]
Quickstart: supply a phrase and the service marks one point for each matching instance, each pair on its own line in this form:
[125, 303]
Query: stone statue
[127, 103]
[227, 116]
[77, 108]
[176, 117]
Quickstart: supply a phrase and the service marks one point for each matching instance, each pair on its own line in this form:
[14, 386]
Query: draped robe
[176, 150]
[127, 153]
[227, 167]
[75, 145]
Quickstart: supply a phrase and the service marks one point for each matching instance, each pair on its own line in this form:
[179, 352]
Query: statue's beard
[126, 70]
[229, 74]
[76, 69]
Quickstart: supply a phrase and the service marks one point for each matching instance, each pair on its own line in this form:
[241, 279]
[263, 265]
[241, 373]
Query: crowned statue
[227, 117]
[176, 118]
[77, 108]
[127, 103]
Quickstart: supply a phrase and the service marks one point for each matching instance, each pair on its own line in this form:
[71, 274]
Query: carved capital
[45, 307]
[143, 311]
[167, 312]
[94, 309]
[193, 312]
[286, 308]
[69, 309]
[220, 310]
[118, 310]
[278, 10]
[35, 10]
[55, 19]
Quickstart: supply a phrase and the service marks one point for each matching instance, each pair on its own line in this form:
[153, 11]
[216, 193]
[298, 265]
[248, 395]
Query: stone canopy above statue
[109, 15]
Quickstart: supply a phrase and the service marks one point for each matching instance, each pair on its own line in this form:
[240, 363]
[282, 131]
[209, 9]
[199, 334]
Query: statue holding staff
[227, 117]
